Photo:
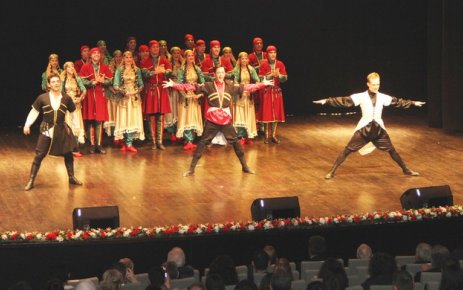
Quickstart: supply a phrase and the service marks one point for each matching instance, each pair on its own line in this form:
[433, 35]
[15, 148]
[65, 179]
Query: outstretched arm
[180, 87]
[338, 102]
[404, 103]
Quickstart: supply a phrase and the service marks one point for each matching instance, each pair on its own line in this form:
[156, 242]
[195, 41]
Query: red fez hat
[84, 47]
[153, 42]
[189, 36]
[256, 39]
[271, 48]
[93, 50]
[214, 43]
[200, 42]
[143, 47]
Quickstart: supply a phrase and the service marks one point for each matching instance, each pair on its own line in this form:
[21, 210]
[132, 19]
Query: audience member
[224, 266]
[452, 275]
[439, 254]
[265, 282]
[246, 285]
[333, 274]
[423, 253]
[214, 282]
[317, 248]
[129, 273]
[272, 254]
[364, 252]
[85, 285]
[159, 280]
[402, 280]
[112, 280]
[172, 270]
[259, 264]
[281, 280]
[196, 286]
[177, 255]
[381, 268]
[317, 285]
[283, 263]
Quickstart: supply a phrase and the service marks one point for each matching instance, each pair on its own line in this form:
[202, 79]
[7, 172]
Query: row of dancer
[103, 99]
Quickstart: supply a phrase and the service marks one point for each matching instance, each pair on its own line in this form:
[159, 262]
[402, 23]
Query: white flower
[4, 237]
[251, 227]
[59, 238]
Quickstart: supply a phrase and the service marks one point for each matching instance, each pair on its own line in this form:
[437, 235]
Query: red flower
[51, 236]
[85, 236]
[103, 235]
[69, 235]
[134, 232]
[30, 237]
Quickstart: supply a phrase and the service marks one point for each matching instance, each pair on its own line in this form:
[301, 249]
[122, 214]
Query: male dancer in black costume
[56, 137]
[219, 94]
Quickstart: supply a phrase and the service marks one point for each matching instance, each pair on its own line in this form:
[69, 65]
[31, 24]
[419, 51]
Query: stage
[149, 189]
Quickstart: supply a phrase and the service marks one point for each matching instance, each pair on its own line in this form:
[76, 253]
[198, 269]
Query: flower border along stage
[122, 233]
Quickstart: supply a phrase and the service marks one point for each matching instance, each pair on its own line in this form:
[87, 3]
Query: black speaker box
[422, 197]
[95, 217]
[273, 208]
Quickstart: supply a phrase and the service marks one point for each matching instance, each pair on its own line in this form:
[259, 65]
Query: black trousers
[210, 130]
[42, 148]
[371, 133]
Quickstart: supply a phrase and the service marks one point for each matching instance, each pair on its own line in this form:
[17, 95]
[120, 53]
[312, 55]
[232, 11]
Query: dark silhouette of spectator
[172, 270]
[214, 282]
[333, 274]
[159, 279]
[246, 285]
[381, 268]
[224, 266]
[281, 280]
[129, 270]
[439, 254]
[196, 286]
[283, 263]
[259, 264]
[265, 282]
[177, 255]
[272, 254]
[112, 280]
[317, 248]
[423, 253]
[402, 280]
[452, 275]
[317, 285]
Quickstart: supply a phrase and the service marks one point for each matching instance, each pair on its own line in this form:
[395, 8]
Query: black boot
[240, 153]
[69, 162]
[196, 156]
[99, 149]
[34, 170]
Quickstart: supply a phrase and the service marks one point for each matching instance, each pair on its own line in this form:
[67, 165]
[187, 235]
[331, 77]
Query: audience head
[172, 270]
[112, 280]
[260, 260]
[317, 285]
[176, 255]
[214, 282]
[317, 245]
[122, 269]
[364, 252]
[281, 280]
[265, 282]
[127, 262]
[439, 254]
[402, 280]
[224, 266]
[283, 263]
[271, 252]
[246, 285]
[196, 286]
[157, 277]
[382, 264]
[423, 253]
[452, 275]
[85, 285]
[333, 274]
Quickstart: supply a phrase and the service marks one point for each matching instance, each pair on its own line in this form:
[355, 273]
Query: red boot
[131, 149]
[123, 147]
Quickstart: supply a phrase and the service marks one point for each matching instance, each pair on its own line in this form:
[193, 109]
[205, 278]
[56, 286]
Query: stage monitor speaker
[95, 217]
[426, 197]
[273, 208]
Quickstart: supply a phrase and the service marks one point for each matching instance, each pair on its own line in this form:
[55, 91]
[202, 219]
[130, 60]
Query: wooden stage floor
[150, 190]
